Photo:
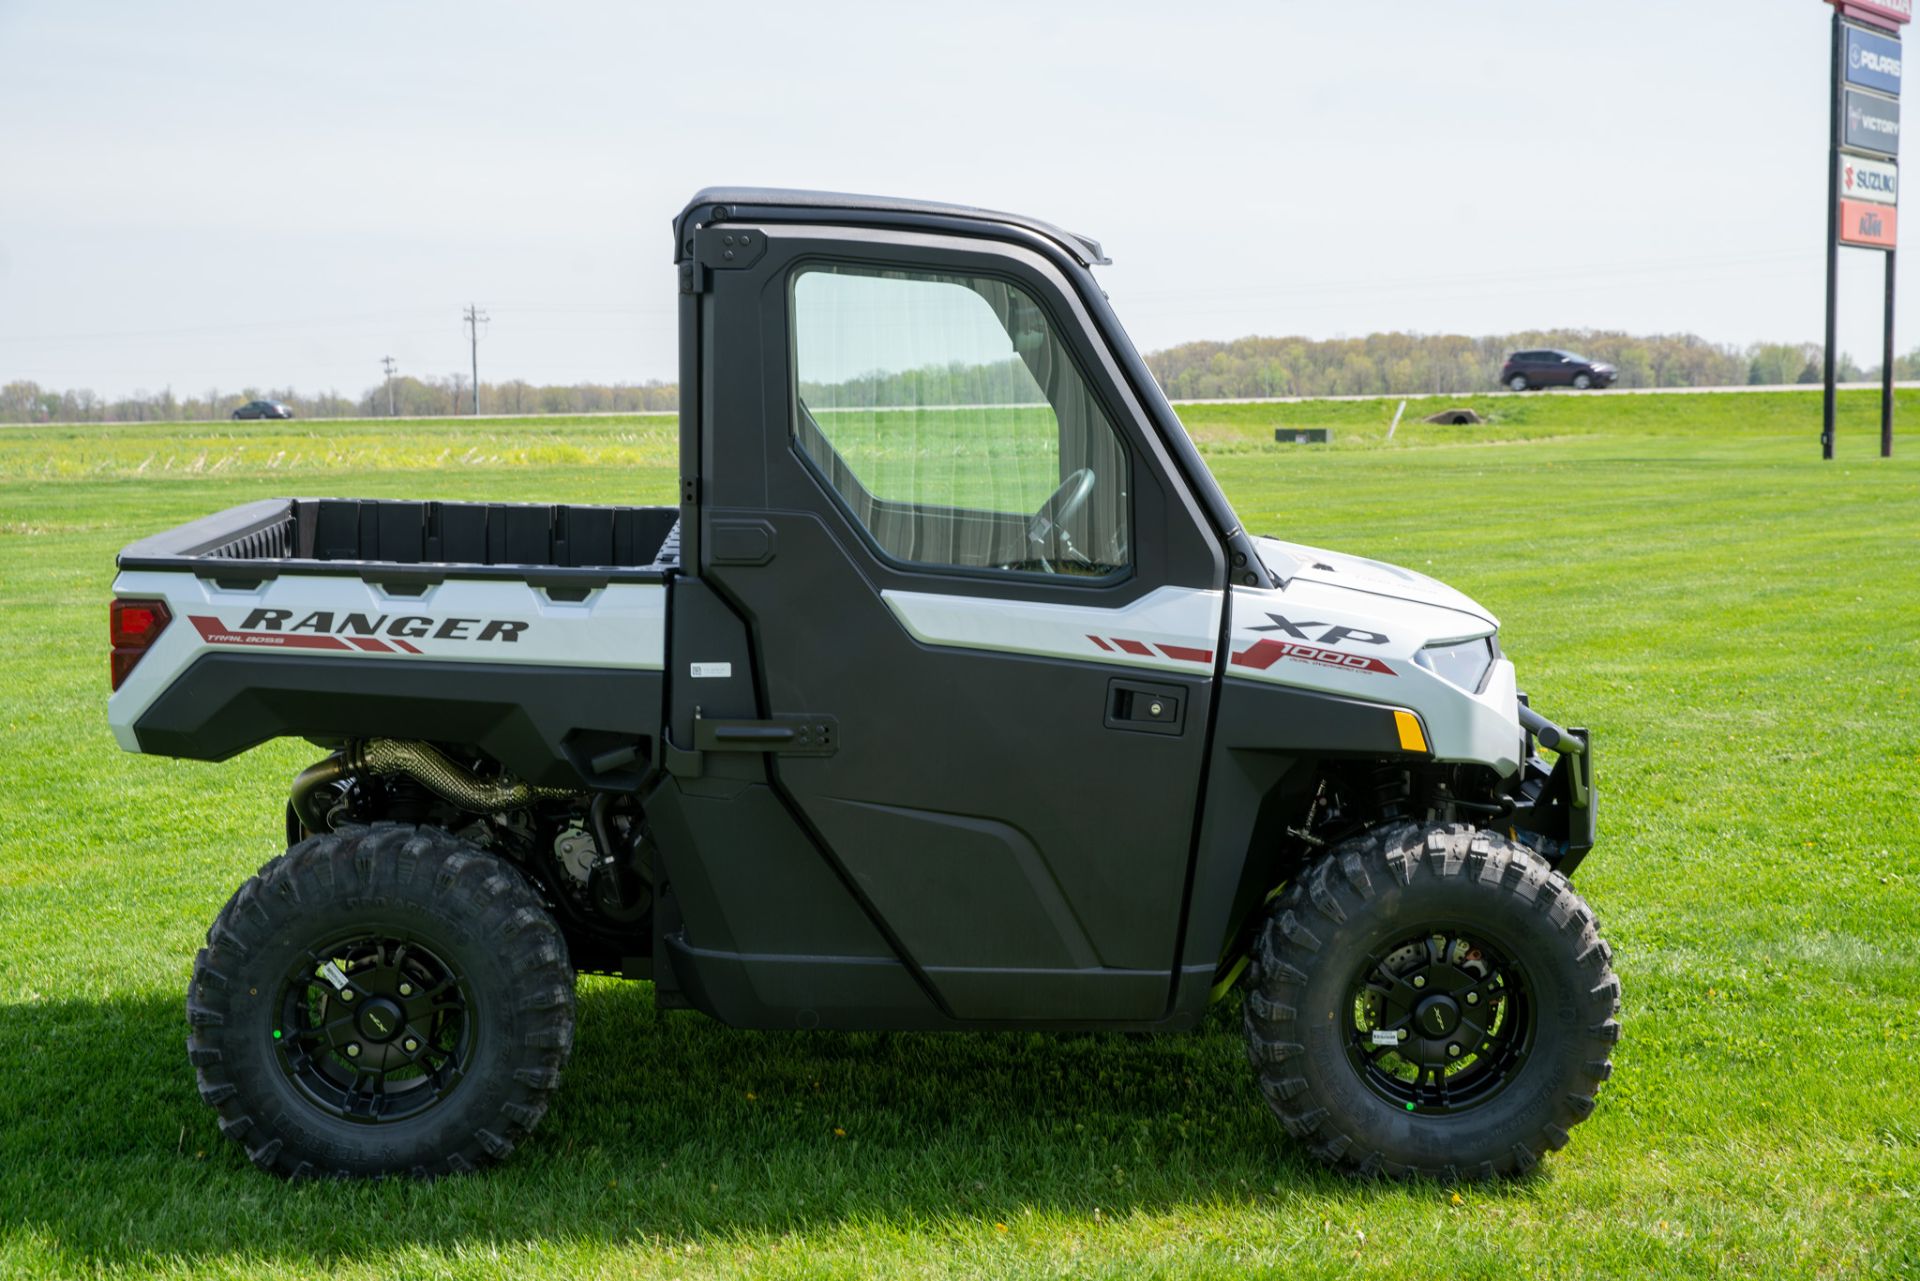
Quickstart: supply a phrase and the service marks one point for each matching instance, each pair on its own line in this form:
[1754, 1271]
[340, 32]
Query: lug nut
[346, 994]
[406, 989]
[1419, 980]
[410, 1045]
[353, 1051]
[1453, 1051]
[1473, 998]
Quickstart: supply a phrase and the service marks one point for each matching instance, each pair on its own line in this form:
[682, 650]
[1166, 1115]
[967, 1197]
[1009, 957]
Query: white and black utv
[951, 695]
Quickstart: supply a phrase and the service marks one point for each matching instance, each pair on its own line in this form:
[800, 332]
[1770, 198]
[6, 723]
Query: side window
[945, 413]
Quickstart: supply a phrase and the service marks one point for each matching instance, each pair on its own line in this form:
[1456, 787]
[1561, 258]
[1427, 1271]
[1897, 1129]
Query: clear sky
[220, 195]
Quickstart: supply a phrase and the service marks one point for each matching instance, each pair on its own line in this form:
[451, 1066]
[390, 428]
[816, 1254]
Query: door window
[946, 415]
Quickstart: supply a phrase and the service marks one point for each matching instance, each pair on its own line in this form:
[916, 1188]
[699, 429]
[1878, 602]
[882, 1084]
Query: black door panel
[1026, 856]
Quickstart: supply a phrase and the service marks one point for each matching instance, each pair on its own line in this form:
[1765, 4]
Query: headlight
[1462, 663]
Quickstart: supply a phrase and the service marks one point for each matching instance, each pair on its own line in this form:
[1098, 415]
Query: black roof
[1085, 248]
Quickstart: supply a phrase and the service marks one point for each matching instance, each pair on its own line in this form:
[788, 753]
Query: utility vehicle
[952, 694]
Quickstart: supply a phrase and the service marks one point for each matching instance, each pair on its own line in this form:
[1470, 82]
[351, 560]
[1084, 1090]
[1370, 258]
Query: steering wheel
[1066, 503]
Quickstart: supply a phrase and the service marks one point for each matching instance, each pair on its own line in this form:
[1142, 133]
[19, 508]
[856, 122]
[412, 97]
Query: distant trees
[1387, 363]
[24, 401]
[1378, 364]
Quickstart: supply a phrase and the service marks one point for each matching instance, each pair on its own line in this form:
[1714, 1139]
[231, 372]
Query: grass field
[1738, 622]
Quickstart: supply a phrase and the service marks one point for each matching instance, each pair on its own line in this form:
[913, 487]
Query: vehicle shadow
[669, 1128]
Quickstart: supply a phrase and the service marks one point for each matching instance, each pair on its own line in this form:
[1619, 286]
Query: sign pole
[1886, 371]
[1837, 69]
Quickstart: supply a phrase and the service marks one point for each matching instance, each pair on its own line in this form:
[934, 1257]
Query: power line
[475, 318]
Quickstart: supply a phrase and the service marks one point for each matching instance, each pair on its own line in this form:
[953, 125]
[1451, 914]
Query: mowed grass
[1738, 622]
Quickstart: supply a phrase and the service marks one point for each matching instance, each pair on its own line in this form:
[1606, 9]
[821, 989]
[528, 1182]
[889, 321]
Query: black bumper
[1554, 804]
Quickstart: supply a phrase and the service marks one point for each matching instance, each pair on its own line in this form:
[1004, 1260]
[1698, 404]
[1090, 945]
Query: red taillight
[133, 626]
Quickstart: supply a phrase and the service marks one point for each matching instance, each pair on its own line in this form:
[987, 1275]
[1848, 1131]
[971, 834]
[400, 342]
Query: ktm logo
[1332, 636]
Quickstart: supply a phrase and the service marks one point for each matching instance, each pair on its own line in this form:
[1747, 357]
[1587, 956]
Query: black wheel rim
[374, 1027]
[1440, 1022]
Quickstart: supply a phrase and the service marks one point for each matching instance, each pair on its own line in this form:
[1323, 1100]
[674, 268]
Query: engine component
[425, 764]
[575, 851]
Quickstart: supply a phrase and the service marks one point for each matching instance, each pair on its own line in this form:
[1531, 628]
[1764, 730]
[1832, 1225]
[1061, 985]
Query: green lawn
[1738, 622]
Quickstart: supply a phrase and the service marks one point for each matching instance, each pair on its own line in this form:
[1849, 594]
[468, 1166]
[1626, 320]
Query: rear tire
[378, 1001]
[1518, 382]
[1359, 936]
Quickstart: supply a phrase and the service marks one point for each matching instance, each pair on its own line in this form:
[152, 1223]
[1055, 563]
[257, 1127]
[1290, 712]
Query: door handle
[1146, 707]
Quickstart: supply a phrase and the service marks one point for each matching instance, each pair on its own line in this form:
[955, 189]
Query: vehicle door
[956, 540]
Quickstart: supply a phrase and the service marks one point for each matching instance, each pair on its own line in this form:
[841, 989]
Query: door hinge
[724, 248]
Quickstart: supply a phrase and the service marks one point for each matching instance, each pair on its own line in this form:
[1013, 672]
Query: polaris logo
[1868, 60]
[411, 626]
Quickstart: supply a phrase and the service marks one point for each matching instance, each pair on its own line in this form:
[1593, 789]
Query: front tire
[377, 1001]
[1581, 382]
[1431, 1001]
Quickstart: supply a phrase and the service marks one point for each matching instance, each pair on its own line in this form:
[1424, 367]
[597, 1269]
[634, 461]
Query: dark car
[263, 409]
[1550, 368]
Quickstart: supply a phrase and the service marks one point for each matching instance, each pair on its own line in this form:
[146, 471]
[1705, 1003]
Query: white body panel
[1338, 625]
[1170, 628]
[620, 625]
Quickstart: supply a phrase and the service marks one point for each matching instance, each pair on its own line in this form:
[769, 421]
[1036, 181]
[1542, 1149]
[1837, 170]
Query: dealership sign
[1892, 14]
[1871, 123]
[1873, 60]
[1867, 224]
[1864, 179]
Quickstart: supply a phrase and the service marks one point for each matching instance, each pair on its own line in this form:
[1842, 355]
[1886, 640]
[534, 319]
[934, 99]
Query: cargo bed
[369, 537]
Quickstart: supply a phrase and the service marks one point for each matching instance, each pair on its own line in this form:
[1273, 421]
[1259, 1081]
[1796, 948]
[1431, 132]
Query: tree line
[1378, 364]
[1393, 363]
[24, 401]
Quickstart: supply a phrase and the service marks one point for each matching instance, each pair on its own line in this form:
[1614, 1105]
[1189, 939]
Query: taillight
[133, 626]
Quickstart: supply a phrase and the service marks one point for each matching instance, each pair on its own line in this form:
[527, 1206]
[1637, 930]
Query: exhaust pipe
[422, 762]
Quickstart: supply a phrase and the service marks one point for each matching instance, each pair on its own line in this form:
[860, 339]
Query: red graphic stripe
[1102, 644]
[215, 632]
[1263, 654]
[1133, 647]
[1187, 653]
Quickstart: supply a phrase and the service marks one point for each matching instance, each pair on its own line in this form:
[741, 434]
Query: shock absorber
[1390, 787]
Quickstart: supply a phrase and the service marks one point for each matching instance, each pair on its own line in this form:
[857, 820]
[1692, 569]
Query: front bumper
[1554, 805]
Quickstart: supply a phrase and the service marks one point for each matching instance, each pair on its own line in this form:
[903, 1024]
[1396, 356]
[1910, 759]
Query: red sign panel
[1864, 223]
[1892, 14]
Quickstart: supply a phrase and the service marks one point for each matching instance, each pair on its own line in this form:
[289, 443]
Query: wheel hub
[380, 1020]
[1440, 1022]
[374, 1028]
[1437, 1016]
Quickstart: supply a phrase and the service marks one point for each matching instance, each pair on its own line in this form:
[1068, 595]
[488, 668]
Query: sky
[231, 195]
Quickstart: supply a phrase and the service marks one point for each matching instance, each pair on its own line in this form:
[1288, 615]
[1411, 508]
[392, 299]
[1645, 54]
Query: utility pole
[475, 318]
[387, 363]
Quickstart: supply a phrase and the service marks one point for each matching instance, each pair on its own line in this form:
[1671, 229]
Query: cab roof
[739, 200]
